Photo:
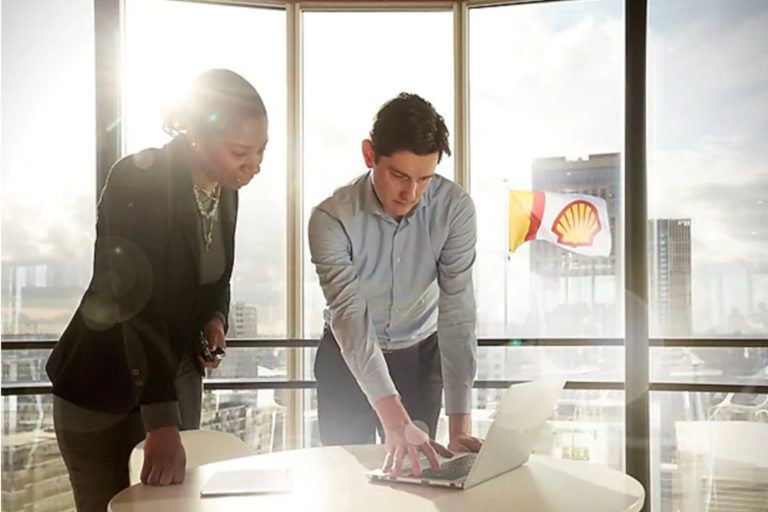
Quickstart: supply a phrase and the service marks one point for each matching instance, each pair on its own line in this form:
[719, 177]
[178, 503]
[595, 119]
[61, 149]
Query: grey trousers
[96, 446]
[344, 414]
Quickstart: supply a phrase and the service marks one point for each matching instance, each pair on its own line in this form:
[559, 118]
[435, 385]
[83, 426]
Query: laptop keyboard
[452, 469]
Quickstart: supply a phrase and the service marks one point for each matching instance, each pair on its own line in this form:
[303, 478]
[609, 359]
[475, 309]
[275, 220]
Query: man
[394, 251]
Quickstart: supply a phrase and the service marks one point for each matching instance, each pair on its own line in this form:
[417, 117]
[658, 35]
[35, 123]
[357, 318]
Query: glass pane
[546, 108]
[308, 355]
[24, 366]
[35, 478]
[258, 417]
[529, 363]
[744, 366]
[168, 42]
[586, 425]
[708, 452]
[311, 429]
[707, 173]
[252, 363]
[344, 88]
[48, 166]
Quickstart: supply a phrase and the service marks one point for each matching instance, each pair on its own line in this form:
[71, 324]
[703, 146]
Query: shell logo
[577, 224]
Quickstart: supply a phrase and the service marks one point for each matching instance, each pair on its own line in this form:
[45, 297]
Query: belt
[409, 347]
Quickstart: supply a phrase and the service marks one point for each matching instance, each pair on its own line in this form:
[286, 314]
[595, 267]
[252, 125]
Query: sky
[545, 80]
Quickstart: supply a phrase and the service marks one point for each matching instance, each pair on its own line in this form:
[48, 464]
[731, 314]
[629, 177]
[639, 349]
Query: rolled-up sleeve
[350, 322]
[456, 308]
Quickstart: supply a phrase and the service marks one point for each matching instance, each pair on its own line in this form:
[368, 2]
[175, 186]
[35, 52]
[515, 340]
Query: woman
[129, 365]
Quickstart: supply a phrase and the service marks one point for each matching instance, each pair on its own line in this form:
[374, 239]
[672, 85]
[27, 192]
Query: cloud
[63, 232]
[708, 77]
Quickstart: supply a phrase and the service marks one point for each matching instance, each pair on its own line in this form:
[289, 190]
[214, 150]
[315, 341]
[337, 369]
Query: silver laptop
[519, 420]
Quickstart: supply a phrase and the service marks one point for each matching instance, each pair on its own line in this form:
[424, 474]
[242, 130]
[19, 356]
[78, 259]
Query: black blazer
[145, 304]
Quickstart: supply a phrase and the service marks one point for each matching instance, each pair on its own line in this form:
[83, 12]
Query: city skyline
[689, 169]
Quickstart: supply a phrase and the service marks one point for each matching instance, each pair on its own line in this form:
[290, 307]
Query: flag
[575, 222]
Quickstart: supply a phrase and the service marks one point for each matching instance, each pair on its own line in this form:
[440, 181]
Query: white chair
[201, 446]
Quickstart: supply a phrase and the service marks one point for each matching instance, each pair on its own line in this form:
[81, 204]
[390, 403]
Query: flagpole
[506, 254]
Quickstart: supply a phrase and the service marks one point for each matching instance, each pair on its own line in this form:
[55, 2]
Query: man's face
[400, 179]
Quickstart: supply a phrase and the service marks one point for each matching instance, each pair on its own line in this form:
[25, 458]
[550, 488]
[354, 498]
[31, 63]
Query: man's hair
[409, 123]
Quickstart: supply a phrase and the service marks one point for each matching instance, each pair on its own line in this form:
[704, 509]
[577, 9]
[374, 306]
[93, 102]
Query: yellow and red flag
[576, 222]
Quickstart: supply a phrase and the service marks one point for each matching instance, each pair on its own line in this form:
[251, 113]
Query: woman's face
[232, 158]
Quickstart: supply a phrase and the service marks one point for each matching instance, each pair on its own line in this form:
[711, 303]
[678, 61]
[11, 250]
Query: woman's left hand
[214, 334]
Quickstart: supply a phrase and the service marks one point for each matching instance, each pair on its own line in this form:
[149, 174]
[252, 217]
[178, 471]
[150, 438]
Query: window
[48, 166]
[545, 109]
[545, 113]
[344, 86]
[48, 215]
[707, 197]
[165, 44]
[546, 84]
[586, 425]
[708, 451]
[707, 181]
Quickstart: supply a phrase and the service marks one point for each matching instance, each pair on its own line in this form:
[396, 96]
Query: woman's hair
[409, 122]
[216, 99]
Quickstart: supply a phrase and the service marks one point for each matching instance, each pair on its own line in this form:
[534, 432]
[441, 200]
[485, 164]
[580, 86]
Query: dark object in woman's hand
[206, 353]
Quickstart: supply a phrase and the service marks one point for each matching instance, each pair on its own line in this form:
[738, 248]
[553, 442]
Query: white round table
[333, 479]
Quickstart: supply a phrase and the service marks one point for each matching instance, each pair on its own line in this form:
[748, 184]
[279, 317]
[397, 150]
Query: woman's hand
[214, 334]
[164, 457]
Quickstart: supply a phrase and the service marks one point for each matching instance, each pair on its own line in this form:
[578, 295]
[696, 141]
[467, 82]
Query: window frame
[636, 342]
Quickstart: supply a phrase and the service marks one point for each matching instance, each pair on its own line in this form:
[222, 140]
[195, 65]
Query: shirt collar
[369, 200]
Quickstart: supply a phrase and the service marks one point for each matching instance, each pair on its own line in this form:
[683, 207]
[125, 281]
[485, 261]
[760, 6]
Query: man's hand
[465, 443]
[164, 457]
[214, 334]
[460, 438]
[403, 438]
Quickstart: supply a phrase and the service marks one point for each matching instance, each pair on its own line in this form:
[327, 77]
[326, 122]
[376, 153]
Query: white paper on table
[241, 482]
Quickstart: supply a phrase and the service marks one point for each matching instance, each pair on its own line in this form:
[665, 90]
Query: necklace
[208, 207]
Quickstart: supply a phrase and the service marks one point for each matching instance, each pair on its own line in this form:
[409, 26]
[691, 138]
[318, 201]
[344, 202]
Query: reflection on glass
[47, 161]
[546, 114]
[260, 417]
[744, 366]
[35, 478]
[529, 363]
[586, 425]
[252, 363]
[24, 366]
[708, 452]
[707, 177]
[311, 428]
[166, 43]
[344, 86]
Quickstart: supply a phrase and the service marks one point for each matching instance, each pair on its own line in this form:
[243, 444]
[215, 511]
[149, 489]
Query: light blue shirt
[390, 284]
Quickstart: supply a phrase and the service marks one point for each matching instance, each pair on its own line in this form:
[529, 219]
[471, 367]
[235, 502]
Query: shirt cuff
[163, 414]
[458, 398]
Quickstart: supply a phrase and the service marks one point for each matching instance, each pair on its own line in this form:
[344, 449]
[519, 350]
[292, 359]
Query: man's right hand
[165, 460]
[403, 438]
